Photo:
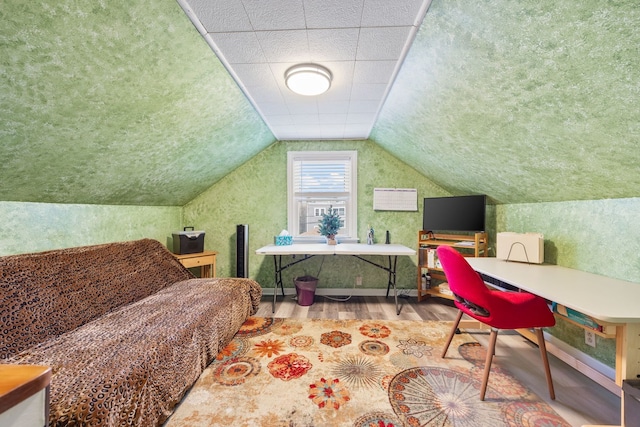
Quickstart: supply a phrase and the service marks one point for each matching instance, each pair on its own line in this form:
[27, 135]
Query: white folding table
[358, 250]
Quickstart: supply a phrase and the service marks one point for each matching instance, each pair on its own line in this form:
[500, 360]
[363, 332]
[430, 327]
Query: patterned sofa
[125, 327]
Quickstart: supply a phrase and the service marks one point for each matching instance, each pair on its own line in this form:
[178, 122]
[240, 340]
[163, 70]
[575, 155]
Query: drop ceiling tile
[341, 68]
[279, 119]
[333, 44]
[284, 133]
[373, 91]
[221, 15]
[278, 70]
[333, 13]
[360, 118]
[285, 46]
[337, 93]
[364, 106]
[336, 107]
[342, 72]
[373, 71]
[305, 119]
[332, 131]
[312, 130]
[275, 14]
[382, 43]
[307, 106]
[381, 13]
[305, 132]
[264, 94]
[294, 99]
[274, 108]
[255, 75]
[242, 47]
[332, 119]
[356, 131]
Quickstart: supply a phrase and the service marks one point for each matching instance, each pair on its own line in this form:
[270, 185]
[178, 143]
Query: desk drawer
[199, 261]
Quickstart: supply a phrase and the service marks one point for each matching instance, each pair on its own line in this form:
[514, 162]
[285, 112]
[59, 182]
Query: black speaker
[242, 250]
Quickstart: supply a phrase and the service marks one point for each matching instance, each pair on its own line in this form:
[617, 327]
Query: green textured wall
[115, 103]
[35, 227]
[256, 194]
[526, 101]
[598, 236]
[123, 103]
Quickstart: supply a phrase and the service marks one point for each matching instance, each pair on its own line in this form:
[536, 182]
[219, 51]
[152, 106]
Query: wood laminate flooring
[579, 400]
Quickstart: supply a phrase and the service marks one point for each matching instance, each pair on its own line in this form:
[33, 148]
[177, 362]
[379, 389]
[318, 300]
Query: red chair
[495, 308]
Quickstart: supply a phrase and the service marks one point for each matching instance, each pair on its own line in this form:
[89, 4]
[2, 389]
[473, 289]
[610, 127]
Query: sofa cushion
[134, 364]
[45, 294]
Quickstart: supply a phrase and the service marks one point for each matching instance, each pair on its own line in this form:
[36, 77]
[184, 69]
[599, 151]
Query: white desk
[358, 250]
[608, 300]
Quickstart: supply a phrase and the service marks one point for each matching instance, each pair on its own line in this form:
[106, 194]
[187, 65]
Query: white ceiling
[362, 42]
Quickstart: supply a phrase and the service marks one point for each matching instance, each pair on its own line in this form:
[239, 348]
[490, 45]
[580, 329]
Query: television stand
[473, 245]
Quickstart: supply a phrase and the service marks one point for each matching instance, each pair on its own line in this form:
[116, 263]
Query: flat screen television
[456, 213]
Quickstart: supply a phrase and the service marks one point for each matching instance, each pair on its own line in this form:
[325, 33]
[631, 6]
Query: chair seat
[513, 310]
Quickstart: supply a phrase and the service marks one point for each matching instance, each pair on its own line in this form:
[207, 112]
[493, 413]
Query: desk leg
[627, 352]
[389, 279]
[392, 275]
[205, 271]
[277, 261]
[392, 281]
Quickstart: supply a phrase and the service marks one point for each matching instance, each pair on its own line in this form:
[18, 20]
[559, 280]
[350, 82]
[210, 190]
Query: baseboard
[359, 292]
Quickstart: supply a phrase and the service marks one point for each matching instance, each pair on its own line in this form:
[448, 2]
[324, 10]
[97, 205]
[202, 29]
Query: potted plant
[329, 225]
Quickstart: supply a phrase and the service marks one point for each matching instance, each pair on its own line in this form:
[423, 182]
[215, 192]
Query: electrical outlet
[590, 338]
[359, 281]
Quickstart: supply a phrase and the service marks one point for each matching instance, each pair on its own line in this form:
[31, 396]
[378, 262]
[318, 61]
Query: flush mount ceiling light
[308, 79]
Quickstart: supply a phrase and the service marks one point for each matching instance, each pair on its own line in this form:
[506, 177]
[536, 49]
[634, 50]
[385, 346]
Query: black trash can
[306, 289]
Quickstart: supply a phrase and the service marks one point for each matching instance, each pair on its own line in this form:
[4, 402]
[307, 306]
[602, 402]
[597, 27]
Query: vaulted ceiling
[127, 104]
[361, 43]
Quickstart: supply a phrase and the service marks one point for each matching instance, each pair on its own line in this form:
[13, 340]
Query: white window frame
[351, 205]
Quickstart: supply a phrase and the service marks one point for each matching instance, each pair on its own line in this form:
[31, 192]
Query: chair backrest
[463, 280]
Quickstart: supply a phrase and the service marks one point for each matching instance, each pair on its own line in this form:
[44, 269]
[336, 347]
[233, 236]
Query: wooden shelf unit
[473, 245]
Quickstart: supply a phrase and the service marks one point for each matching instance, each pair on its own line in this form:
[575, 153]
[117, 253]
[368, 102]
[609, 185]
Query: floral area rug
[361, 373]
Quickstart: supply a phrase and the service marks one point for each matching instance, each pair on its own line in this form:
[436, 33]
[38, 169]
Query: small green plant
[330, 223]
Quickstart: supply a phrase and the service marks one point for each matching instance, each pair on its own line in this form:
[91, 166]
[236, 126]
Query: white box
[523, 247]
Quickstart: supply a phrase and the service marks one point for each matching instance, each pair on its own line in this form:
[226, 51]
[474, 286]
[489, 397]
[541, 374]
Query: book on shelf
[466, 244]
[431, 257]
[576, 316]
[444, 289]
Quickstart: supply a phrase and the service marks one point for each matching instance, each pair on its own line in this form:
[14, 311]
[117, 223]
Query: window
[318, 180]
